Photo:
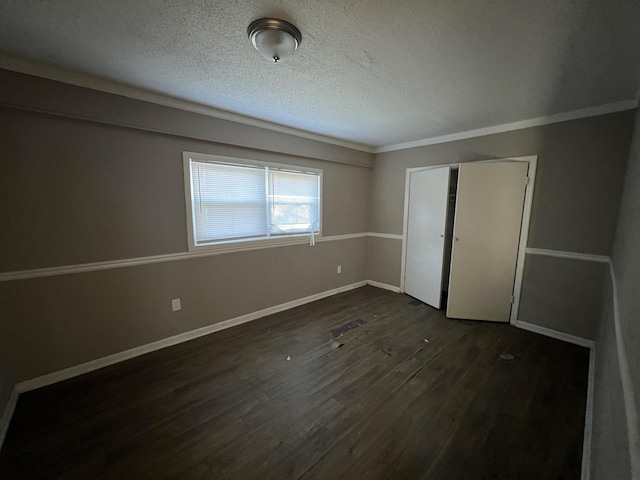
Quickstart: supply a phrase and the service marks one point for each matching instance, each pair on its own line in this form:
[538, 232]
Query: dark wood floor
[409, 394]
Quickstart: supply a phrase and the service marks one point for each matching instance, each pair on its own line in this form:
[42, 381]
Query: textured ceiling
[372, 72]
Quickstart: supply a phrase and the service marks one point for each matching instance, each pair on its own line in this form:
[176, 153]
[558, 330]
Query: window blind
[243, 202]
[294, 202]
[228, 202]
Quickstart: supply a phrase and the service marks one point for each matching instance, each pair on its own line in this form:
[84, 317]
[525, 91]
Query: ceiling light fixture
[275, 39]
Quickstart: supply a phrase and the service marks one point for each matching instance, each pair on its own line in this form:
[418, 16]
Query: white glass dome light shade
[276, 40]
[275, 45]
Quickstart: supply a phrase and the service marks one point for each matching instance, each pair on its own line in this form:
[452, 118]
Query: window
[231, 200]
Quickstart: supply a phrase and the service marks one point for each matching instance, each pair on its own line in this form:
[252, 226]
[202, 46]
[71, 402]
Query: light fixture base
[275, 39]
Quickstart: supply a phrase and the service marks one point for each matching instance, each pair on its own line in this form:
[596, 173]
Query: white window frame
[243, 243]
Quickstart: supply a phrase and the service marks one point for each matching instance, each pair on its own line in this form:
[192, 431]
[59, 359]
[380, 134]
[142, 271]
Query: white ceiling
[372, 72]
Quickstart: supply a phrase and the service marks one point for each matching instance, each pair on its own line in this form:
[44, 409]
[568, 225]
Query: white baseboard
[93, 365]
[87, 367]
[386, 286]
[588, 418]
[583, 342]
[7, 415]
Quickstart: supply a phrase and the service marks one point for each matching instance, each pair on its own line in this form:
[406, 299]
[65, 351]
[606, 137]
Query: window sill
[241, 245]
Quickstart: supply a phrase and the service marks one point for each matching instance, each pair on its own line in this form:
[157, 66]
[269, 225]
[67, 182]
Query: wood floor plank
[355, 383]
[364, 447]
[482, 413]
[406, 394]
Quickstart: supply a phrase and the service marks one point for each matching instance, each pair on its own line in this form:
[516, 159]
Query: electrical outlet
[339, 268]
[176, 304]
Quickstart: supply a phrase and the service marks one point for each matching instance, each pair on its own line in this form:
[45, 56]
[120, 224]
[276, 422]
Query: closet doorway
[465, 233]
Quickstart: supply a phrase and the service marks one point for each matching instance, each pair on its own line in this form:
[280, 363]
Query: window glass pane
[293, 202]
[228, 201]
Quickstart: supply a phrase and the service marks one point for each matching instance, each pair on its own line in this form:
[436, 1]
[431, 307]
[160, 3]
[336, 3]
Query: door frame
[532, 160]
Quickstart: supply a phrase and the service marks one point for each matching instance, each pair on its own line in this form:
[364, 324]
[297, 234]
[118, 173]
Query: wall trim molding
[393, 236]
[508, 127]
[170, 257]
[385, 286]
[346, 236]
[92, 82]
[588, 417]
[630, 403]
[5, 421]
[568, 255]
[549, 332]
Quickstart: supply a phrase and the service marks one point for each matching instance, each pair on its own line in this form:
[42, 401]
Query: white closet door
[426, 223]
[486, 234]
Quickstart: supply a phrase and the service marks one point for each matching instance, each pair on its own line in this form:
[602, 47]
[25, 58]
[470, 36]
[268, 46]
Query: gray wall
[610, 421]
[91, 177]
[78, 192]
[63, 321]
[578, 187]
[382, 264]
[550, 282]
[7, 379]
[610, 454]
[626, 264]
